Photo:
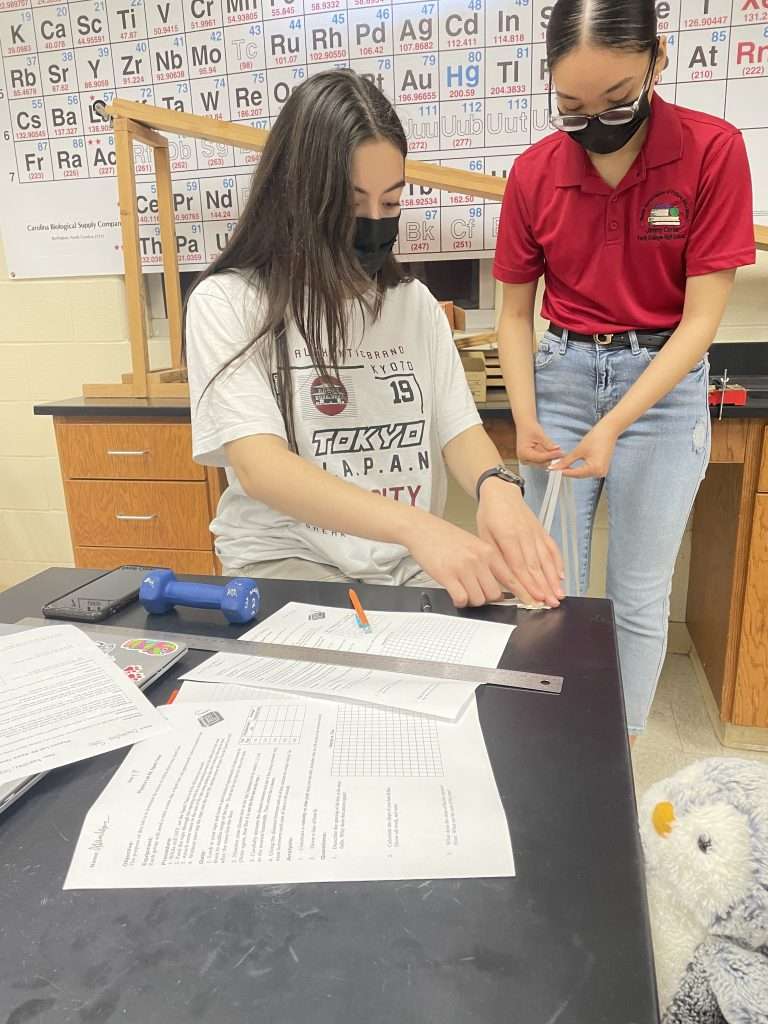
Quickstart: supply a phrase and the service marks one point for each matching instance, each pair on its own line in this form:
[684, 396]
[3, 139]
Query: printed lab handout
[62, 700]
[442, 698]
[247, 793]
[192, 692]
[398, 634]
[425, 636]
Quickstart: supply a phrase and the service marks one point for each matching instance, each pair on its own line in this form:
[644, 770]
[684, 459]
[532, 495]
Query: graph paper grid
[371, 743]
[273, 723]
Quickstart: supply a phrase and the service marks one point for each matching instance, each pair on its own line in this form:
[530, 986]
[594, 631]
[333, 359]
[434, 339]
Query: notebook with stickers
[143, 660]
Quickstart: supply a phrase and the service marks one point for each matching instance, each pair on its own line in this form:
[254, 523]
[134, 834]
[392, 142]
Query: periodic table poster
[468, 78]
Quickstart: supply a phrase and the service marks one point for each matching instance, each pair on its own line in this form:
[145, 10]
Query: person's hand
[470, 568]
[595, 451]
[533, 558]
[534, 447]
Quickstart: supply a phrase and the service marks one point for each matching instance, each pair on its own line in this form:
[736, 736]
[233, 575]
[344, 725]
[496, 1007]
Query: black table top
[565, 941]
[178, 408]
[124, 408]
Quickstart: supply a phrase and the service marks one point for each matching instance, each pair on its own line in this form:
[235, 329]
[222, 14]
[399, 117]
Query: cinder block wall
[54, 335]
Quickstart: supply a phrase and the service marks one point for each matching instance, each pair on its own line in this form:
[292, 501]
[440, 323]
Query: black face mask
[374, 240]
[604, 138]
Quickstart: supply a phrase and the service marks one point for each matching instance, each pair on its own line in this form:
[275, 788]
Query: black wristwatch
[503, 474]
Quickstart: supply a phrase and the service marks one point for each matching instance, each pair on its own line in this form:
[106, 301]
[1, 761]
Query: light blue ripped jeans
[655, 473]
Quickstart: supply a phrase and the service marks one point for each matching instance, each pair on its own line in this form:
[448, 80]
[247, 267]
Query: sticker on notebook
[105, 648]
[134, 672]
[154, 648]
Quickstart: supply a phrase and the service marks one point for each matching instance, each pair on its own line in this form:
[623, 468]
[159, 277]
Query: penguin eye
[704, 843]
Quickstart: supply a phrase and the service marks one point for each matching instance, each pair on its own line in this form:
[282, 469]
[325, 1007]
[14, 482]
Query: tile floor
[679, 729]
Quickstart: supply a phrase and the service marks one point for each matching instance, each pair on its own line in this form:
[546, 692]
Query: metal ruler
[344, 659]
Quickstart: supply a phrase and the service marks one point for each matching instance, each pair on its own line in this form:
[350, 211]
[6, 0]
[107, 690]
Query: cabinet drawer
[138, 514]
[762, 484]
[196, 563]
[127, 451]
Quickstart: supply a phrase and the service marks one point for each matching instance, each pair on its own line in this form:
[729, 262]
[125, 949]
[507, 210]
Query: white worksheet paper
[422, 635]
[250, 793]
[192, 692]
[62, 700]
[428, 696]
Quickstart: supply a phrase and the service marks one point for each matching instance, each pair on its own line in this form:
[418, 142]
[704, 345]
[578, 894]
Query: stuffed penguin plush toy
[705, 838]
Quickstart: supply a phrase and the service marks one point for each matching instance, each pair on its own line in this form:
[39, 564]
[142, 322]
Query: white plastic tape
[559, 490]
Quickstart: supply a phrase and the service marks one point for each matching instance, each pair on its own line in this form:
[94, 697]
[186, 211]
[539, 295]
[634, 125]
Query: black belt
[647, 338]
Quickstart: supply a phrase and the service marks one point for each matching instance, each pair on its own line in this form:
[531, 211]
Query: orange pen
[362, 618]
[173, 697]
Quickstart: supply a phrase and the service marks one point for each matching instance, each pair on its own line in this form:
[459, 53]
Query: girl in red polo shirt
[637, 213]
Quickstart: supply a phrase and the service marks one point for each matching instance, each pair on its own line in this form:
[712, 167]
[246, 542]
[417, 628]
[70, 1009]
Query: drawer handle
[142, 519]
[111, 452]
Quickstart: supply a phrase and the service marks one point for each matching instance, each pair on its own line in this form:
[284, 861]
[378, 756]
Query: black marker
[426, 604]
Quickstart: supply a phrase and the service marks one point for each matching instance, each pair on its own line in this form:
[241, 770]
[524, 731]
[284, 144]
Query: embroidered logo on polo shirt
[664, 217]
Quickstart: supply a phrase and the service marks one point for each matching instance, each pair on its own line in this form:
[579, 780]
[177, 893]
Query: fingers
[540, 573]
[520, 560]
[473, 582]
[475, 594]
[522, 595]
[535, 581]
[511, 581]
[549, 444]
[481, 583]
[582, 472]
[492, 587]
[457, 593]
[537, 448]
[537, 456]
[529, 567]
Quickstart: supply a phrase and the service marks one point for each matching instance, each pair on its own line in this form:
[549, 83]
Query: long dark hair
[295, 238]
[614, 24]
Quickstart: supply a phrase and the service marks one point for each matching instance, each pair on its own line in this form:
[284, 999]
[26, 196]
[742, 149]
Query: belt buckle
[603, 339]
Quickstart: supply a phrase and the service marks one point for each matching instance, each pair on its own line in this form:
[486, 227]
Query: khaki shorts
[317, 572]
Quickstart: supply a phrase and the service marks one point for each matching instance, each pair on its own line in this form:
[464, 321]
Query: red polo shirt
[617, 259]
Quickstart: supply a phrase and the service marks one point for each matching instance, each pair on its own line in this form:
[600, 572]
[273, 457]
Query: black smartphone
[101, 597]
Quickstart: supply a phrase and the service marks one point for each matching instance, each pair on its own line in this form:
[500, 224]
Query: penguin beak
[663, 818]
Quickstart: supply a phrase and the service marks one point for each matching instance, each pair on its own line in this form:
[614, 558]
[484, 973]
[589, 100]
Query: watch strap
[504, 474]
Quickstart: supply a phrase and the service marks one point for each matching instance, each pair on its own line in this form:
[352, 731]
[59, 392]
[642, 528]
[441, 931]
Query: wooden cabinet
[126, 451]
[134, 495]
[750, 704]
[501, 430]
[762, 483]
[728, 586]
[196, 563]
[138, 513]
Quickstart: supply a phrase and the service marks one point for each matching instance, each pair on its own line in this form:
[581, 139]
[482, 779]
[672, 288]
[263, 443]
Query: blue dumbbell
[238, 598]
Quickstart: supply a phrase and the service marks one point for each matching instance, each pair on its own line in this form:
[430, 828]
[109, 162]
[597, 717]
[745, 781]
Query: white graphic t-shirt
[399, 398]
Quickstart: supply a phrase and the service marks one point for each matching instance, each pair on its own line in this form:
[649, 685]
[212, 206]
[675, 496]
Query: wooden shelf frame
[141, 123]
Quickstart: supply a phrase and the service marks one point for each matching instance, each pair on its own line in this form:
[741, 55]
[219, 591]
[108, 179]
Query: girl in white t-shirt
[329, 386]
